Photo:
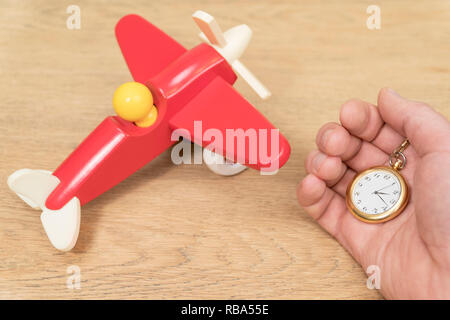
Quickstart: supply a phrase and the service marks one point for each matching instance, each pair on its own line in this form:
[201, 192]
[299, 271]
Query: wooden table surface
[181, 231]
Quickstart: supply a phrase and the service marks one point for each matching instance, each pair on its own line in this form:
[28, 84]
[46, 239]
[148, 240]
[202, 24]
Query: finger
[388, 139]
[313, 195]
[329, 169]
[341, 186]
[368, 156]
[332, 182]
[333, 139]
[343, 175]
[361, 119]
[330, 211]
[427, 130]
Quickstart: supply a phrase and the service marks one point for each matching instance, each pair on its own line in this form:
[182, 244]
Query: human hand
[412, 250]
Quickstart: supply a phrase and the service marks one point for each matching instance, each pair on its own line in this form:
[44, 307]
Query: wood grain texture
[183, 232]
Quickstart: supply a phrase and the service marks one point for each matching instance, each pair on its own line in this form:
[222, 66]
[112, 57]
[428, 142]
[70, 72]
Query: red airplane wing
[146, 49]
[221, 109]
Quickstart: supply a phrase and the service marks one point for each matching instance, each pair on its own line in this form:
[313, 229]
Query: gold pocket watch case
[377, 195]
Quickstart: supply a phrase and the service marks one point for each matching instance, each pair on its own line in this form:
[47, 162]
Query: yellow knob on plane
[133, 101]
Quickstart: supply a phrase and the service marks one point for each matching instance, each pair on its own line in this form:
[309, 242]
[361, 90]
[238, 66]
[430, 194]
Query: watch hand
[376, 192]
[386, 187]
[381, 199]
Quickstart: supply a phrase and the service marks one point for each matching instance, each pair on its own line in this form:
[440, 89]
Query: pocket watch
[380, 193]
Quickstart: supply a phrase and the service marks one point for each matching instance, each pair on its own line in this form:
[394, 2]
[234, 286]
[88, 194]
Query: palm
[402, 249]
[412, 250]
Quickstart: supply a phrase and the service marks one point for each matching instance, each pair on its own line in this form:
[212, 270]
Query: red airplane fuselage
[117, 148]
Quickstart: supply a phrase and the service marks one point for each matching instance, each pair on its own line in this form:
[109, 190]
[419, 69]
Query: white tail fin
[34, 186]
[231, 45]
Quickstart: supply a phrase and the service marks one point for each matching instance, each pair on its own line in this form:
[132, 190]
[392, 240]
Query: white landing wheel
[221, 166]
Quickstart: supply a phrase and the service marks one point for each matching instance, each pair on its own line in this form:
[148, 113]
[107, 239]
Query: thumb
[427, 130]
[429, 133]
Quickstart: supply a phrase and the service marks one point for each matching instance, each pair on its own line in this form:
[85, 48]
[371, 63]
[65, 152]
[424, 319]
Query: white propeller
[231, 45]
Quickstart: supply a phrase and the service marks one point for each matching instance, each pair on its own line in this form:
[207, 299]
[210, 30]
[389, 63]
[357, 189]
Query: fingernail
[393, 92]
[325, 136]
[318, 159]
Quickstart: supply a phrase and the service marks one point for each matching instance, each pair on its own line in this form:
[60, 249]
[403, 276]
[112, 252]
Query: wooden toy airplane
[173, 88]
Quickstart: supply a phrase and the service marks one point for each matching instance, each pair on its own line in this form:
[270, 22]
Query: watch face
[376, 195]
[376, 192]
